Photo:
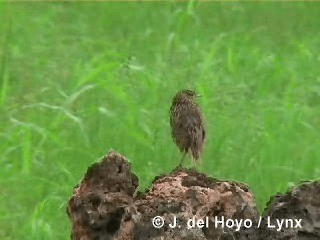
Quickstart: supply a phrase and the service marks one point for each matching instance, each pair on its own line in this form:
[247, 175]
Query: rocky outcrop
[185, 204]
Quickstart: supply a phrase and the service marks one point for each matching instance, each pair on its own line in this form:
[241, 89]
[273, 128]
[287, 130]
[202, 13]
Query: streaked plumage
[187, 125]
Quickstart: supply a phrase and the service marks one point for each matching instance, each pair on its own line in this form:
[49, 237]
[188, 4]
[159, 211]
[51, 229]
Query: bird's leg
[182, 159]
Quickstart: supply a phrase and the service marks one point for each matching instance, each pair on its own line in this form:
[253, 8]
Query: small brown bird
[187, 126]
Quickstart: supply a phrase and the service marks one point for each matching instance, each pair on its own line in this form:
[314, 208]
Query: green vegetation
[79, 79]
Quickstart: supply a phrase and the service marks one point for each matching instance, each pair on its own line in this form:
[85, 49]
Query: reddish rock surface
[98, 204]
[187, 194]
[105, 206]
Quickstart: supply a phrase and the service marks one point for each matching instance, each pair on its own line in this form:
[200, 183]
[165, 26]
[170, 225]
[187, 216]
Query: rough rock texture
[97, 206]
[301, 202]
[104, 206]
[187, 194]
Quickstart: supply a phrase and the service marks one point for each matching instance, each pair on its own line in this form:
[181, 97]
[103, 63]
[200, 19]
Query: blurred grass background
[79, 79]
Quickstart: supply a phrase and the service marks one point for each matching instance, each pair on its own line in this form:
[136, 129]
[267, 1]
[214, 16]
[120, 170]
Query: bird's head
[185, 95]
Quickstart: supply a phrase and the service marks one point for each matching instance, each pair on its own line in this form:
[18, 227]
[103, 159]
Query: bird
[187, 125]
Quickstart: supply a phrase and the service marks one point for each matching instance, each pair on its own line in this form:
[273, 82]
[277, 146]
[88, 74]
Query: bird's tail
[195, 153]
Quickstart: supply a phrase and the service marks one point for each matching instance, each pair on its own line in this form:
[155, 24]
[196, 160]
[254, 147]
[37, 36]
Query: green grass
[79, 79]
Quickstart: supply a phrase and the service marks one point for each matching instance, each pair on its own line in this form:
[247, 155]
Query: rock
[301, 202]
[98, 204]
[299, 205]
[192, 206]
[103, 206]
[190, 196]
